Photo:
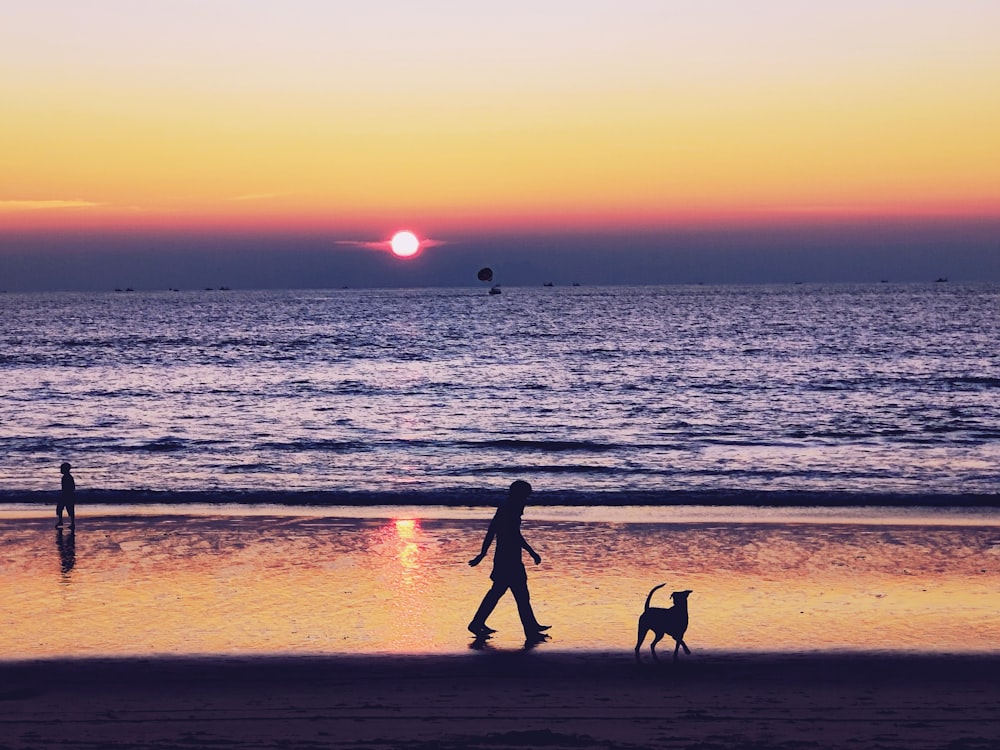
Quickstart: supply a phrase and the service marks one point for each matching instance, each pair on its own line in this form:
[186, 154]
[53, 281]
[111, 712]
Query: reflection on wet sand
[177, 584]
[66, 544]
[408, 530]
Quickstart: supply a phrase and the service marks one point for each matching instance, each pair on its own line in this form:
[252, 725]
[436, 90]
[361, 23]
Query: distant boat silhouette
[941, 279]
[548, 283]
[494, 290]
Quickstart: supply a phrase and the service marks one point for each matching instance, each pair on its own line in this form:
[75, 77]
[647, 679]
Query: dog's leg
[642, 637]
[652, 646]
[685, 647]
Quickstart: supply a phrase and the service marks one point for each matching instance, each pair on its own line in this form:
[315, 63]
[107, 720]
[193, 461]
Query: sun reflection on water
[409, 552]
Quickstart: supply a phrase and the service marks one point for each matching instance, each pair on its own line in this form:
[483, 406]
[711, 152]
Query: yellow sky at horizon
[323, 114]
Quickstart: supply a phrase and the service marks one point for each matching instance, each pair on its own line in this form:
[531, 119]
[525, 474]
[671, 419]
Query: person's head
[519, 491]
[65, 467]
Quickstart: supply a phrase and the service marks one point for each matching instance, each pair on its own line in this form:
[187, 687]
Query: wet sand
[227, 583]
[502, 699]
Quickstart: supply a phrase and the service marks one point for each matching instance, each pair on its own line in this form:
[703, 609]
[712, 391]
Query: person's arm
[534, 555]
[487, 541]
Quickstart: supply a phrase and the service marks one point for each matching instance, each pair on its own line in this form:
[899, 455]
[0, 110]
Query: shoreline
[490, 498]
[505, 699]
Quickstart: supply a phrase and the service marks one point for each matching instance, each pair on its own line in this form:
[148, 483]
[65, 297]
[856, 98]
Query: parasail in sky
[485, 274]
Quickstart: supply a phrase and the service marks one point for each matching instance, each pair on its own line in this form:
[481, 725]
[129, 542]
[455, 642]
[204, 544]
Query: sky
[186, 143]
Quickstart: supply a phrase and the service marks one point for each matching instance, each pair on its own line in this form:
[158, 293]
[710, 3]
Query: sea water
[609, 393]
[146, 580]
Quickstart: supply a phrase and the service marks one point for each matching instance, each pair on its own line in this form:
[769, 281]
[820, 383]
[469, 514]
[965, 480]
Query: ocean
[595, 395]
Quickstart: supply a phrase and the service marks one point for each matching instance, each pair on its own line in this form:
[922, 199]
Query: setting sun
[405, 244]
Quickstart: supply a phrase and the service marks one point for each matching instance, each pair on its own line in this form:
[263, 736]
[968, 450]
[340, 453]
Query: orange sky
[314, 115]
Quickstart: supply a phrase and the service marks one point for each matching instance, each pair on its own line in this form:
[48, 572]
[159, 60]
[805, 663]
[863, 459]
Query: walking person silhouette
[508, 570]
[67, 498]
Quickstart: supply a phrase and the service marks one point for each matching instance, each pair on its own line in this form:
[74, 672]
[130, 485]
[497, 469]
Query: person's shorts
[509, 576]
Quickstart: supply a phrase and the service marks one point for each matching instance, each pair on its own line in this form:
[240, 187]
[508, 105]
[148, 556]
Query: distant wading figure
[67, 497]
[508, 570]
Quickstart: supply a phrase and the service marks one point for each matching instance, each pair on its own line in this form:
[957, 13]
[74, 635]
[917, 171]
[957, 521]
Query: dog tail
[650, 597]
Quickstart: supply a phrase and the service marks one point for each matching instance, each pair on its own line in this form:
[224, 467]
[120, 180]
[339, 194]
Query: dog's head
[680, 596]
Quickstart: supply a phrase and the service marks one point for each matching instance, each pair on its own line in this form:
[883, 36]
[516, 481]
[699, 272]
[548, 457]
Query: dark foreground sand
[502, 700]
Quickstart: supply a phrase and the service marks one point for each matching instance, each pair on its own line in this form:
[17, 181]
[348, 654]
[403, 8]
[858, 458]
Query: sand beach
[504, 699]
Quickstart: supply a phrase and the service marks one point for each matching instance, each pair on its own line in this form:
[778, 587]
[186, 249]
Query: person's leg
[524, 610]
[489, 603]
[59, 512]
[71, 510]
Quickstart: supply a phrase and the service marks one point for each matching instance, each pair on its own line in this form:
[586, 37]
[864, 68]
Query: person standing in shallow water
[508, 569]
[67, 497]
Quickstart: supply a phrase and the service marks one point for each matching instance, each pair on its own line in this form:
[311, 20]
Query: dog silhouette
[662, 621]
